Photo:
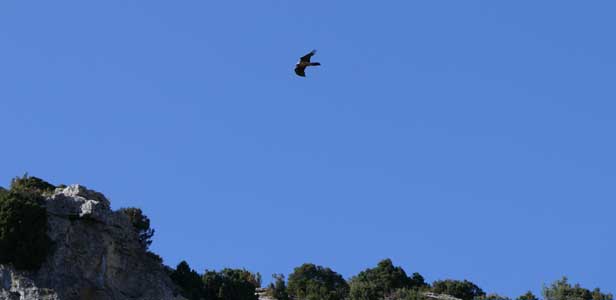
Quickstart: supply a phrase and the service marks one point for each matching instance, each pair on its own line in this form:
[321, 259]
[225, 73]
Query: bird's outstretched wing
[306, 58]
[300, 71]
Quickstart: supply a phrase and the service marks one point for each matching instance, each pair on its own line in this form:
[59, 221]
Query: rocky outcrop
[434, 296]
[263, 294]
[95, 255]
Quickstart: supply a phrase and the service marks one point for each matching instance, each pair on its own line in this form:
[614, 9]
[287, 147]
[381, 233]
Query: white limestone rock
[95, 255]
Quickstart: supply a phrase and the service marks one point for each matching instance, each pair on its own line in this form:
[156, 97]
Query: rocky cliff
[95, 255]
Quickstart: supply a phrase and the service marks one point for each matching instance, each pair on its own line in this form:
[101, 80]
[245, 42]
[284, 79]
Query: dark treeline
[383, 282]
[25, 244]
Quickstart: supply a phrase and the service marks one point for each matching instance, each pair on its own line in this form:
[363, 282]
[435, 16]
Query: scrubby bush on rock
[31, 184]
[23, 223]
[464, 290]
[141, 223]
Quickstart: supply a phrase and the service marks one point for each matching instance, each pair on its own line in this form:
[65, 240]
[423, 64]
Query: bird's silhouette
[304, 61]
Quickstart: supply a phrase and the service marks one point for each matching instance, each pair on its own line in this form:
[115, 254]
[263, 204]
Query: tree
[278, 288]
[189, 281]
[598, 295]
[312, 282]
[563, 290]
[377, 283]
[31, 184]
[231, 284]
[141, 223]
[418, 282]
[23, 228]
[528, 296]
[464, 290]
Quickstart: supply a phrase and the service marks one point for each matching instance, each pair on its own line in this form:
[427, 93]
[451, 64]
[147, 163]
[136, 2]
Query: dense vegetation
[31, 184]
[189, 281]
[141, 223]
[278, 288]
[383, 282]
[231, 284]
[228, 284]
[563, 290]
[23, 223]
[312, 282]
[464, 290]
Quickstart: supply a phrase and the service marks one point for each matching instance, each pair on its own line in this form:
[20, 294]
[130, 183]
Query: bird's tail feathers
[315, 64]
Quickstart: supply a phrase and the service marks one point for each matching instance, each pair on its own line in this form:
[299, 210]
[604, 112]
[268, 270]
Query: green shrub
[379, 282]
[528, 296]
[31, 184]
[231, 284]
[23, 227]
[311, 282]
[189, 281]
[464, 290]
[141, 223]
[278, 288]
[228, 284]
[563, 290]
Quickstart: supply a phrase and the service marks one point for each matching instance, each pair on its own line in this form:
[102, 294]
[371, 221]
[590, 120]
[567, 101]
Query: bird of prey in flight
[304, 62]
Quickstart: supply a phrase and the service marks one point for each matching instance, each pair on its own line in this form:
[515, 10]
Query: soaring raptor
[304, 62]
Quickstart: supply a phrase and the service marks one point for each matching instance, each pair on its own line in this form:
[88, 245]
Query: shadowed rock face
[95, 255]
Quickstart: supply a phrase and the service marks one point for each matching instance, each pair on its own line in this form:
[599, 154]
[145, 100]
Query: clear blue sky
[462, 139]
